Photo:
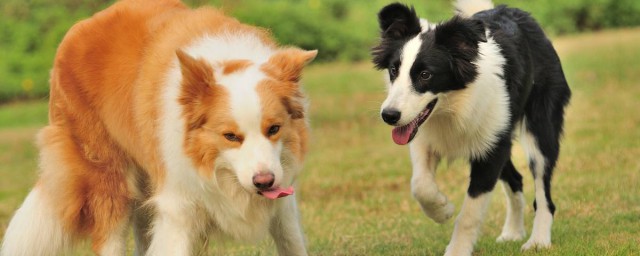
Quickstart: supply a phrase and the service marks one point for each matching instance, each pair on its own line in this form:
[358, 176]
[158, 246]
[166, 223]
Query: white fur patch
[236, 47]
[468, 225]
[285, 229]
[175, 220]
[116, 243]
[425, 25]
[34, 230]
[467, 8]
[541, 232]
[423, 185]
[466, 123]
[513, 229]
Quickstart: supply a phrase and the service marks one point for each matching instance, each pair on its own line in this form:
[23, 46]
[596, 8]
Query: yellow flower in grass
[27, 85]
[314, 4]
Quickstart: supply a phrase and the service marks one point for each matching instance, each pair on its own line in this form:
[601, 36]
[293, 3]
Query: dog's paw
[509, 236]
[459, 250]
[534, 243]
[439, 213]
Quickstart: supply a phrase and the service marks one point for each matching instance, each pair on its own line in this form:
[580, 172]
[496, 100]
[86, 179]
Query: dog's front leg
[423, 185]
[173, 230]
[484, 176]
[285, 228]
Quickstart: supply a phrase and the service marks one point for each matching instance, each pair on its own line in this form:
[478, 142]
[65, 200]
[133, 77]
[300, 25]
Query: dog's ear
[196, 73]
[286, 67]
[197, 83]
[287, 64]
[398, 21]
[461, 36]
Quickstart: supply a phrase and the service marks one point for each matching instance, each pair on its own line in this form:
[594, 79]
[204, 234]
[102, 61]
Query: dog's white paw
[536, 243]
[439, 213]
[511, 235]
[458, 250]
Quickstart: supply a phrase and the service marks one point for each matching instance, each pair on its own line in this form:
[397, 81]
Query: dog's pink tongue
[277, 193]
[401, 135]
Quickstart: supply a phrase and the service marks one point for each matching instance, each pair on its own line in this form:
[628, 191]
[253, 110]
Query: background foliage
[30, 30]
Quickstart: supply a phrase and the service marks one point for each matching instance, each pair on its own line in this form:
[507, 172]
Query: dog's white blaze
[466, 123]
[401, 95]
[468, 225]
[257, 153]
[513, 228]
[244, 99]
[541, 232]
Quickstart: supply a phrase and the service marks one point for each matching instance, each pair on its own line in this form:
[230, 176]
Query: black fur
[512, 177]
[397, 24]
[397, 21]
[537, 87]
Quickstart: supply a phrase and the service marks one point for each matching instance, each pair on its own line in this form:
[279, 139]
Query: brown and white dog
[182, 122]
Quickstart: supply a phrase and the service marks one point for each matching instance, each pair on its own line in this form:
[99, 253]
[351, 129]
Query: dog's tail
[467, 8]
[35, 230]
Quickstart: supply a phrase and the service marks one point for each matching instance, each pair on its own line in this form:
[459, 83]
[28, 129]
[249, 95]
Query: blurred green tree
[30, 30]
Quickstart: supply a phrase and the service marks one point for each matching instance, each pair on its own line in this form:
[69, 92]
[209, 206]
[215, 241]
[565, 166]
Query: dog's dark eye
[273, 130]
[393, 72]
[425, 75]
[232, 137]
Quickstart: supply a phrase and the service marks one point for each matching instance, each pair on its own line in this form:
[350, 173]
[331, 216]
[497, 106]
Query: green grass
[21, 114]
[354, 193]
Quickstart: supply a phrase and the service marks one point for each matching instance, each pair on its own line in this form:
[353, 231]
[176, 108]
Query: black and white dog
[465, 88]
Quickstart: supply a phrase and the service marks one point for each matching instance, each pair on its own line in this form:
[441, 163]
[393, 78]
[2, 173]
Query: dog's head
[422, 64]
[245, 118]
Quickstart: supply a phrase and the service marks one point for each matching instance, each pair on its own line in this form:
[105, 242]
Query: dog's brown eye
[393, 72]
[273, 130]
[232, 137]
[424, 75]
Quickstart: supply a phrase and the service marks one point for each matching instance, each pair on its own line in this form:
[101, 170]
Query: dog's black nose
[390, 115]
[263, 181]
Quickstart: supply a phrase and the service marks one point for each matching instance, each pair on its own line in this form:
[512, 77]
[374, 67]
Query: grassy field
[354, 193]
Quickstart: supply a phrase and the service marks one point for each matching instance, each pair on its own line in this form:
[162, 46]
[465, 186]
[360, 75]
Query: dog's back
[90, 88]
[98, 63]
[536, 74]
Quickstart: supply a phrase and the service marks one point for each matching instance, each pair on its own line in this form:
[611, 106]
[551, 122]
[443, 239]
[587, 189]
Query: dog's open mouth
[404, 134]
[276, 193]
